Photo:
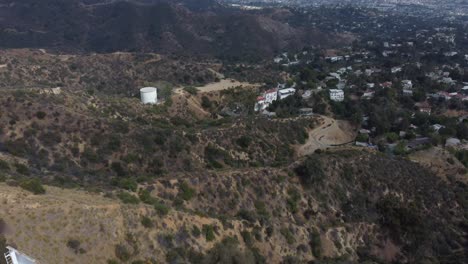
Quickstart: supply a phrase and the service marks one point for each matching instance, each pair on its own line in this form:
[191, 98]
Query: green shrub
[247, 215]
[293, 199]
[208, 230]
[191, 90]
[196, 231]
[127, 184]
[122, 253]
[316, 244]
[214, 156]
[22, 169]
[186, 192]
[90, 155]
[32, 185]
[121, 127]
[41, 115]
[400, 149]
[288, 236]
[228, 251]
[161, 209]
[128, 198]
[311, 171]
[75, 245]
[206, 103]
[247, 237]
[146, 197]
[118, 169]
[4, 166]
[147, 222]
[244, 141]
[362, 138]
[392, 137]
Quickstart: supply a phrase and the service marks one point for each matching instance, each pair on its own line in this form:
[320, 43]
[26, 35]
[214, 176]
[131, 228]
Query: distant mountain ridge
[191, 27]
[368, 3]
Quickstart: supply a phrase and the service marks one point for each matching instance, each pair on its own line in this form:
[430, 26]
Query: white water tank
[149, 95]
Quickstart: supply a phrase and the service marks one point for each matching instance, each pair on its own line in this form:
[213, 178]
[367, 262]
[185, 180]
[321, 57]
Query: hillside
[334, 206]
[198, 178]
[284, 135]
[164, 183]
[167, 27]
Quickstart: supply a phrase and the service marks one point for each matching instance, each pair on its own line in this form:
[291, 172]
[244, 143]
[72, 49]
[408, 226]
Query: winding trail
[330, 133]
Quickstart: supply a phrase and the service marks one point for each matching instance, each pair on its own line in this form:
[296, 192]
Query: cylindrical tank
[149, 95]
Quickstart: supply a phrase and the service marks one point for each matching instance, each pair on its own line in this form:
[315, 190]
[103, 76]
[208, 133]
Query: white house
[267, 98]
[437, 127]
[336, 95]
[407, 92]
[407, 84]
[396, 69]
[271, 96]
[283, 93]
[368, 95]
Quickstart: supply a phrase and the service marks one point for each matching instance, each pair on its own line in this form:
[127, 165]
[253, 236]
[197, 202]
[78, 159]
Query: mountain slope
[342, 206]
[188, 27]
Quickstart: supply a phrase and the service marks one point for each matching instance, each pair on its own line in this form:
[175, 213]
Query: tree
[33, 185]
[311, 171]
[392, 137]
[362, 138]
[206, 103]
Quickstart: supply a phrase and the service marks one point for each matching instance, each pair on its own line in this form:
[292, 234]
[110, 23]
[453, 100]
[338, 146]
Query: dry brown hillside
[340, 205]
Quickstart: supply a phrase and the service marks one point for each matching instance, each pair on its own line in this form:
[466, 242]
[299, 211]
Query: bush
[147, 222]
[4, 166]
[214, 156]
[161, 209]
[404, 220]
[244, 141]
[400, 149]
[293, 199]
[127, 184]
[247, 215]
[206, 103]
[228, 252]
[22, 169]
[288, 236]
[146, 197]
[196, 231]
[186, 192]
[247, 237]
[128, 198]
[75, 245]
[118, 169]
[311, 171]
[392, 137]
[122, 252]
[191, 90]
[208, 230]
[362, 138]
[32, 185]
[41, 115]
[316, 244]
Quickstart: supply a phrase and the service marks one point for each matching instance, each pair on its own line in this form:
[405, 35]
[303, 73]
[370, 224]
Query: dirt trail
[331, 132]
[224, 85]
